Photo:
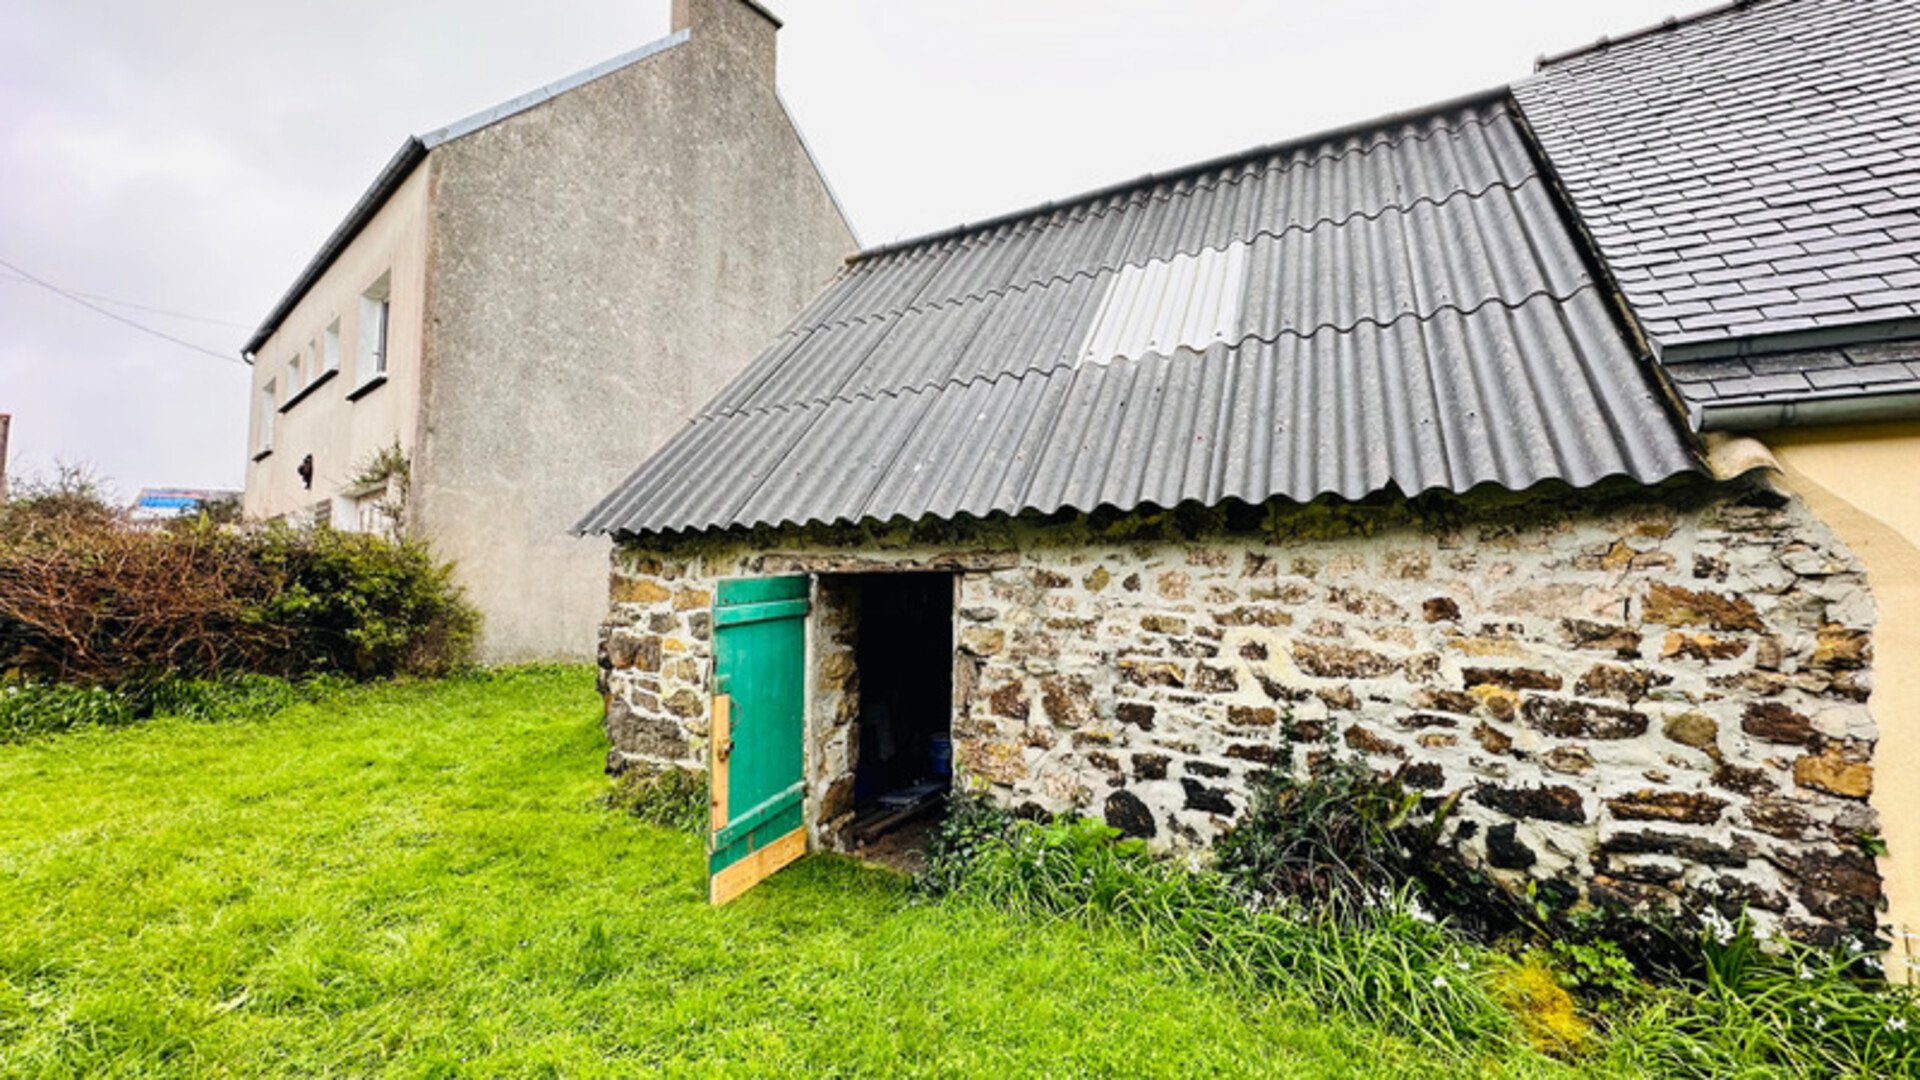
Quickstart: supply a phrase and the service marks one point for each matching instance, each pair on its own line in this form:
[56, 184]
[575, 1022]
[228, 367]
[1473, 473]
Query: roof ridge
[951, 383]
[1671, 22]
[1041, 211]
[546, 92]
[1031, 283]
[412, 152]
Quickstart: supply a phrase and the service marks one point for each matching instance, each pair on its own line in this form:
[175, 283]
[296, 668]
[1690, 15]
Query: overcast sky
[190, 157]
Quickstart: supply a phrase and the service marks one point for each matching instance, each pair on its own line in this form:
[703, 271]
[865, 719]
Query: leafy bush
[1596, 969]
[675, 798]
[972, 826]
[86, 599]
[364, 605]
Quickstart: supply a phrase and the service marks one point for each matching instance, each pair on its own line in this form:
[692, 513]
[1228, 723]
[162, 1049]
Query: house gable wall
[602, 264]
[1654, 696]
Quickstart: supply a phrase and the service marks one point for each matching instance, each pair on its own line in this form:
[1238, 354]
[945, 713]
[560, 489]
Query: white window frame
[376, 316]
[330, 347]
[295, 367]
[269, 406]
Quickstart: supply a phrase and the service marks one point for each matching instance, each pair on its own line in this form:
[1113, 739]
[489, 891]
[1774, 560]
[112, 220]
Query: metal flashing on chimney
[765, 13]
[683, 17]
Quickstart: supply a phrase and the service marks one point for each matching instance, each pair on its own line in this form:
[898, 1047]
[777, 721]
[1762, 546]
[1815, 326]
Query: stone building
[1750, 181]
[1390, 438]
[527, 301]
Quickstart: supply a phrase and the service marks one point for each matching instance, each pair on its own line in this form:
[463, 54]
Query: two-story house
[526, 302]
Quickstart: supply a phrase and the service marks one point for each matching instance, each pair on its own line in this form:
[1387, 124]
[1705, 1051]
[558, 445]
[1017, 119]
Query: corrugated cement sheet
[1755, 170]
[1400, 308]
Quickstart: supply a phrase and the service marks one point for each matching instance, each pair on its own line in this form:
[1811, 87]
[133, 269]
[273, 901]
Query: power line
[119, 318]
[116, 302]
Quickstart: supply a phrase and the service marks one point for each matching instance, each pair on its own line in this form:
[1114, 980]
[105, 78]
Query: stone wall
[1652, 696]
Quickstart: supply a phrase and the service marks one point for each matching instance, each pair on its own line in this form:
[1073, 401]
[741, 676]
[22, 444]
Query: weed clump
[1533, 992]
[1778, 1005]
[1336, 839]
[671, 797]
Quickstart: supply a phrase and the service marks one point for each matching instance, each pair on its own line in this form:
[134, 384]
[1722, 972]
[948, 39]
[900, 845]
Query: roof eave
[1853, 407]
[1823, 337]
[397, 169]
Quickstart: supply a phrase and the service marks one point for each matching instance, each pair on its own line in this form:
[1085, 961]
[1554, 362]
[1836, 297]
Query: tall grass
[1777, 1009]
[1381, 959]
[31, 708]
[1386, 963]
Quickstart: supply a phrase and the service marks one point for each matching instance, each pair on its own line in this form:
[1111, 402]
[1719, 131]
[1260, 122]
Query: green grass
[417, 880]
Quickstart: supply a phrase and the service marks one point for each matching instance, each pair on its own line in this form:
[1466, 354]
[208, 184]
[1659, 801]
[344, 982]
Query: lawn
[417, 880]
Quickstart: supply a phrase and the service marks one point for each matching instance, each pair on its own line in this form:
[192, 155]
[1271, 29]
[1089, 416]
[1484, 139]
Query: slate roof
[1769, 389]
[1396, 306]
[1751, 171]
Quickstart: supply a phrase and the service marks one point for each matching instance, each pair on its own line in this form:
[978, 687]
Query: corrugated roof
[1751, 171]
[1411, 313]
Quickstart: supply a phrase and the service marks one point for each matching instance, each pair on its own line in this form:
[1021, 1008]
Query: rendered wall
[1865, 483]
[1652, 697]
[342, 435]
[603, 264]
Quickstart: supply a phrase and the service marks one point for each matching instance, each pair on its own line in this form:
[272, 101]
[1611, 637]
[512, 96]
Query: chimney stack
[741, 31]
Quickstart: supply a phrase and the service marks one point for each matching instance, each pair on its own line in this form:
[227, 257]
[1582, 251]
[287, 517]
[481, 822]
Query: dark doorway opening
[904, 656]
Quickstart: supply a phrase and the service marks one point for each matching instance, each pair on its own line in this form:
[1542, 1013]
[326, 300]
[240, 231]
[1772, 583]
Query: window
[374, 305]
[294, 382]
[365, 512]
[376, 516]
[330, 347]
[265, 433]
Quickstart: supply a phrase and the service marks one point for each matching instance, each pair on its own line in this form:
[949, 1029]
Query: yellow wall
[1864, 481]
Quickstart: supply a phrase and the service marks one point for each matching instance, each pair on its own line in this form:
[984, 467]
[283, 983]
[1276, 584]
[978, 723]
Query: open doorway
[904, 765]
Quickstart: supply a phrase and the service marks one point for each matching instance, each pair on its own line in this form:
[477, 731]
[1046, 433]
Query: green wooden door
[757, 758]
